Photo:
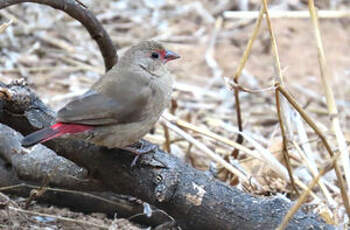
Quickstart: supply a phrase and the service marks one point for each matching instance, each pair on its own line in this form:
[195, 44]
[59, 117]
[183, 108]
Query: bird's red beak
[170, 55]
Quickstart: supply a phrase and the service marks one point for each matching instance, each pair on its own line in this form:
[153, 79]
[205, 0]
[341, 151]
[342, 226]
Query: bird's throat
[150, 72]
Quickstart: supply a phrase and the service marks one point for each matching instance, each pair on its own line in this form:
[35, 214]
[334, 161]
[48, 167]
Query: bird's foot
[139, 148]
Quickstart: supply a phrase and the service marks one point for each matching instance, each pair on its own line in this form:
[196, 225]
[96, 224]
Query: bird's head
[149, 55]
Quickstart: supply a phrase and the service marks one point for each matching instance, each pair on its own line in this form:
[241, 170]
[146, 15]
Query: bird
[122, 106]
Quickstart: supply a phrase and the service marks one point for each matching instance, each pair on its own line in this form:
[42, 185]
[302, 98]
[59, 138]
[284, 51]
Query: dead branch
[195, 199]
[23, 171]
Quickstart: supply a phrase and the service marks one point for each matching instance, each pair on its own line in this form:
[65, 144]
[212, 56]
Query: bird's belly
[120, 135]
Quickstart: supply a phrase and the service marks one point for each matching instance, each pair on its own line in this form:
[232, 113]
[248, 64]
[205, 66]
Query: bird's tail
[51, 132]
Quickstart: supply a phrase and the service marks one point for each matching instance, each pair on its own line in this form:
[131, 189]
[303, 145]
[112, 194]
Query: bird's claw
[139, 148]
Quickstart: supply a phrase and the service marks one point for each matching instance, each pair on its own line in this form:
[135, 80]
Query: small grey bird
[122, 106]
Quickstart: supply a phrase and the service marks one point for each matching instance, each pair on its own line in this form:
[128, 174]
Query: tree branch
[193, 198]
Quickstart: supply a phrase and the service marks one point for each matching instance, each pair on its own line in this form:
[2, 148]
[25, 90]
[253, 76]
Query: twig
[4, 26]
[282, 106]
[9, 201]
[238, 87]
[312, 124]
[238, 73]
[239, 139]
[332, 108]
[46, 37]
[81, 65]
[302, 14]
[206, 150]
[246, 53]
[66, 219]
[43, 69]
[274, 164]
[273, 43]
[36, 193]
[208, 133]
[209, 54]
[304, 195]
[314, 172]
[268, 158]
[59, 190]
[167, 138]
[284, 138]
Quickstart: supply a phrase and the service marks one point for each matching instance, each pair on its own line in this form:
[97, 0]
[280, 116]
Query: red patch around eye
[161, 53]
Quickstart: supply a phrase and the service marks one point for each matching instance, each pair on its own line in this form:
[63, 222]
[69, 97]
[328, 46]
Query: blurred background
[59, 60]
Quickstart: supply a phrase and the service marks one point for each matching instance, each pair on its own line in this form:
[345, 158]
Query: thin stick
[9, 201]
[305, 117]
[279, 77]
[274, 165]
[332, 108]
[250, 43]
[210, 53]
[81, 65]
[4, 26]
[208, 133]
[58, 190]
[12, 187]
[167, 138]
[273, 43]
[66, 219]
[304, 195]
[284, 138]
[60, 43]
[282, 107]
[238, 73]
[301, 14]
[312, 124]
[314, 172]
[239, 138]
[215, 157]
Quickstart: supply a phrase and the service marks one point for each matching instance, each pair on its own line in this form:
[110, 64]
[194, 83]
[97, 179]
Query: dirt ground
[56, 56]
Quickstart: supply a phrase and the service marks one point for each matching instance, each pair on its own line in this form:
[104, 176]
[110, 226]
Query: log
[193, 198]
[41, 175]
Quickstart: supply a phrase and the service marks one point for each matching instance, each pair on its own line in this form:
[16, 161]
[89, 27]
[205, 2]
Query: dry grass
[57, 57]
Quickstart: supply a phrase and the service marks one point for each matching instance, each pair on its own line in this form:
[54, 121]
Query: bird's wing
[124, 101]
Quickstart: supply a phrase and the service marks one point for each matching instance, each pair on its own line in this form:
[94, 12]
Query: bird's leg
[139, 148]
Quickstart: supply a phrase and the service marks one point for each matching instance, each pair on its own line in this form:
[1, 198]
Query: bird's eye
[155, 55]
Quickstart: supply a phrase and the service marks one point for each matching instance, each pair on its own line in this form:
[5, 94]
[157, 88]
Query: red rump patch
[60, 129]
[53, 131]
[64, 128]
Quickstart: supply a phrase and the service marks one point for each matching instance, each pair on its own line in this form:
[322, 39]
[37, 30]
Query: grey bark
[194, 198]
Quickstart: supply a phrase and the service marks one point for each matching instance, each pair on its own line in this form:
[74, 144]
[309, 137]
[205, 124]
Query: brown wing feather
[118, 102]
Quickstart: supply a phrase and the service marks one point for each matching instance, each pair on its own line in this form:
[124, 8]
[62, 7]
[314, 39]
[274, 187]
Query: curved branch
[85, 17]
